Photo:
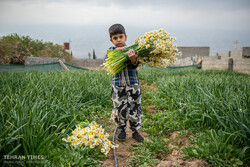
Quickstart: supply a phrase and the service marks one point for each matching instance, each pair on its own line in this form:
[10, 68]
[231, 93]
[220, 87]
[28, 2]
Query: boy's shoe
[122, 135]
[137, 136]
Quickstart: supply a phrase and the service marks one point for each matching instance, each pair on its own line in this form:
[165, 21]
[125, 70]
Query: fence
[38, 67]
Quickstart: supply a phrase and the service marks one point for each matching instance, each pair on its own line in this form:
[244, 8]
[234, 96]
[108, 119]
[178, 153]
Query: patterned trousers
[127, 104]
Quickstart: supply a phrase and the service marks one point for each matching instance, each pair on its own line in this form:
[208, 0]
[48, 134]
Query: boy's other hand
[132, 56]
[122, 48]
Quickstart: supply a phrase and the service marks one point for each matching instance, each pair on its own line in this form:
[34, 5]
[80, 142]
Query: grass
[36, 106]
[216, 103]
[148, 153]
[211, 105]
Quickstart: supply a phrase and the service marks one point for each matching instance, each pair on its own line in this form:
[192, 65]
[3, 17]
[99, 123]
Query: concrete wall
[241, 60]
[194, 51]
[41, 60]
[87, 62]
[191, 55]
[213, 63]
[245, 52]
[242, 65]
[187, 61]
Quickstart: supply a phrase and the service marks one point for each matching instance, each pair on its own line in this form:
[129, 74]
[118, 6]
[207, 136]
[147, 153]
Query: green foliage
[142, 156]
[14, 48]
[202, 99]
[162, 123]
[158, 146]
[64, 154]
[215, 148]
[89, 55]
[36, 106]
[148, 152]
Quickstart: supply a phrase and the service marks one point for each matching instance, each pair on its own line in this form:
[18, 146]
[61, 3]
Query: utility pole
[235, 43]
[70, 51]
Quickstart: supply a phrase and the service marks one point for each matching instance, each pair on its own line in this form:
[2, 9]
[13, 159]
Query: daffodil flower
[92, 136]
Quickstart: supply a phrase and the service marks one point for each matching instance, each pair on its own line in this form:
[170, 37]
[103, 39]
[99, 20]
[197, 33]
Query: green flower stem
[117, 59]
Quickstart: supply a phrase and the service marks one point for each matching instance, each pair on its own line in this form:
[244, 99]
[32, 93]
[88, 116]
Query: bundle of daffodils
[155, 48]
[93, 136]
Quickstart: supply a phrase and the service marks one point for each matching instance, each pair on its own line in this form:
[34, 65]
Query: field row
[211, 105]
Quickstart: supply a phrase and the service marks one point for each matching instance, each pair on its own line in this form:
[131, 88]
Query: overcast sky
[213, 23]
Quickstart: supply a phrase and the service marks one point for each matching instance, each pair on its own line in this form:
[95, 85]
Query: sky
[85, 23]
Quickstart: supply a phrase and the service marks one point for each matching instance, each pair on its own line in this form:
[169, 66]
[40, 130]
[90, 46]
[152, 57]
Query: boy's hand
[132, 56]
[122, 48]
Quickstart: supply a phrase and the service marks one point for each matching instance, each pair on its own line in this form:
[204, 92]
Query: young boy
[125, 92]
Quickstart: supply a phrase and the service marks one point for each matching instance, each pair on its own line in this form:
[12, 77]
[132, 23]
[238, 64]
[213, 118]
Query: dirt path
[175, 158]
[123, 152]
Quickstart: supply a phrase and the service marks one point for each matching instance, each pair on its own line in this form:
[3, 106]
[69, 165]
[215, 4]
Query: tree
[89, 56]
[15, 48]
[94, 56]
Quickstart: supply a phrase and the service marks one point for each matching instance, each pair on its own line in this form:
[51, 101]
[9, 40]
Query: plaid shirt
[129, 73]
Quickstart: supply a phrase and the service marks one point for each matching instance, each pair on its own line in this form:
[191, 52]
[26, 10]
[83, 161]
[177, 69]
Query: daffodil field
[39, 109]
[62, 116]
[156, 49]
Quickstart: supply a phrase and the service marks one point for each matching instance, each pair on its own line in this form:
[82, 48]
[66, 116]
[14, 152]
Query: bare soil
[122, 152]
[176, 158]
